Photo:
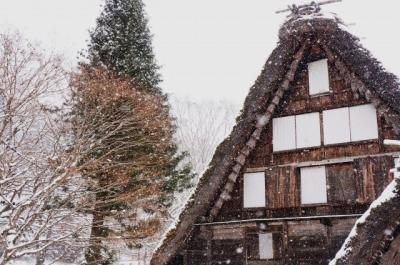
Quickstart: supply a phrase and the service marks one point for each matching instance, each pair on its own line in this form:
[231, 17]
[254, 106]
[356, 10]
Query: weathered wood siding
[351, 186]
[341, 182]
[372, 177]
[298, 101]
[283, 186]
[295, 242]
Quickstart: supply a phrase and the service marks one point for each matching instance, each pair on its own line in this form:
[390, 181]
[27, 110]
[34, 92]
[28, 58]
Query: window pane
[363, 123]
[308, 132]
[283, 132]
[266, 247]
[313, 185]
[318, 77]
[336, 126]
[254, 190]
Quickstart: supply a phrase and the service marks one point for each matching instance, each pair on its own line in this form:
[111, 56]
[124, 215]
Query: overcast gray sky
[208, 49]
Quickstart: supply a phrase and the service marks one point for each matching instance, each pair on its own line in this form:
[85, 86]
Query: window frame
[309, 202]
[349, 125]
[314, 117]
[263, 191]
[270, 251]
[315, 70]
[361, 128]
[294, 118]
[277, 126]
[252, 244]
[330, 127]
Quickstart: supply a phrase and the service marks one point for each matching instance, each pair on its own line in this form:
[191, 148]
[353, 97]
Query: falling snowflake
[239, 250]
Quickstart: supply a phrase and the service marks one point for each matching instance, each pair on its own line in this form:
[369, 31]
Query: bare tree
[50, 192]
[201, 127]
[35, 203]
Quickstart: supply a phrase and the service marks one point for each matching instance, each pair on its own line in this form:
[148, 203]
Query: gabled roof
[359, 69]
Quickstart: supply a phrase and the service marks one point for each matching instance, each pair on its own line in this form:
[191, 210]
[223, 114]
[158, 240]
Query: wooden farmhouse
[304, 161]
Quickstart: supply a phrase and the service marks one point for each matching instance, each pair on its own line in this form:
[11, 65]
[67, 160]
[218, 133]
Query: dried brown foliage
[129, 162]
[133, 130]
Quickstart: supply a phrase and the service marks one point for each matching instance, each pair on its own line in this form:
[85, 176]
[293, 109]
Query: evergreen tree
[120, 50]
[135, 166]
[122, 42]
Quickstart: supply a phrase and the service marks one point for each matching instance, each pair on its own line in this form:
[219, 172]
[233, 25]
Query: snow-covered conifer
[121, 41]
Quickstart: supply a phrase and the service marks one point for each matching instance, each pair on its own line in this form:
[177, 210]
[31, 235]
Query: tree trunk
[40, 258]
[95, 250]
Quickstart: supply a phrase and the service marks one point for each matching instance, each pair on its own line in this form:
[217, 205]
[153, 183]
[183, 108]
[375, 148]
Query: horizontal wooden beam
[314, 217]
[322, 162]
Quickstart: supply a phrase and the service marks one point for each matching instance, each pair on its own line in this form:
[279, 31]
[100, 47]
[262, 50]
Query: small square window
[336, 126]
[266, 246]
[284, 133]
[254, 190]
[313, 185]
[308, 133]
[318, 77]
[363, 123]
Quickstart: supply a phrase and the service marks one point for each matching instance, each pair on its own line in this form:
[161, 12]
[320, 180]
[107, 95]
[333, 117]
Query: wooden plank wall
[298, 101]
[351, 186]
[282, 187]
[341, 184]
[372, 177]
[295, 242]
[347, 183]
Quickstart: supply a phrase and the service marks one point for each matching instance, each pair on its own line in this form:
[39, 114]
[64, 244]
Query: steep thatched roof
[361, 70]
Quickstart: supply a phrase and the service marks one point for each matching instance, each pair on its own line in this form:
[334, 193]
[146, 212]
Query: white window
[350, 124]
[266, 246]
[336, 126]
[254, 190]
[363, 123]
[298, 131]
[396, 161]
[284, 133]
[318, 77]
[313, 185]
[308, 133]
